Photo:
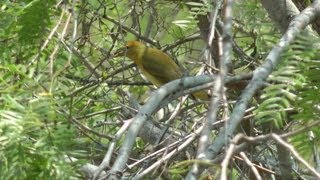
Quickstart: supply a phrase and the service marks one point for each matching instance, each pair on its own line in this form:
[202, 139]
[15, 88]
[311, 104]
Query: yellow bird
[155, 65]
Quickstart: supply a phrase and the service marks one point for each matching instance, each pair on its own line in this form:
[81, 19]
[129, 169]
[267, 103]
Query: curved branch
[174, 87]
[259, 77]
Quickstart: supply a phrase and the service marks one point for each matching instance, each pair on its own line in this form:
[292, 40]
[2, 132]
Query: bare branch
[295, 154]
[251, 165]
[219, 84]
[260, 75]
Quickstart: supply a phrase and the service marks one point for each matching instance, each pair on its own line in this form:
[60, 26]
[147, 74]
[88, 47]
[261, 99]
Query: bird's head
[132, 50]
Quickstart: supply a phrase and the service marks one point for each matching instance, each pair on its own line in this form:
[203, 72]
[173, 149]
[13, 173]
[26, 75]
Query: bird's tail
[201, 95]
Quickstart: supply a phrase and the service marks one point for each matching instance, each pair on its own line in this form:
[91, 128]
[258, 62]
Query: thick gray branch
[150, 107]
[282, 14]
[259, 77]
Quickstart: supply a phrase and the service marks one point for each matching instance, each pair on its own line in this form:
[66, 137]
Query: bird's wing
[160, 66]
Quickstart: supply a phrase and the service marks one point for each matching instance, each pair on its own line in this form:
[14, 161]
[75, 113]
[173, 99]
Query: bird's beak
[120, 52]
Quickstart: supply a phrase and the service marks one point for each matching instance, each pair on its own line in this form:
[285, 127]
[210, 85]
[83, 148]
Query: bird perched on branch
[155, 65]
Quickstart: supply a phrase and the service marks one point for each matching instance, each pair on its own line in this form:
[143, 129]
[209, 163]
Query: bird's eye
[127, 47]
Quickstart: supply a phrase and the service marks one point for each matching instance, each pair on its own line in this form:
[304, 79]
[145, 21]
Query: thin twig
[170, 154]
[251, 165]
[229, 153]
[260, 75]
[107, 158]
[295, 154]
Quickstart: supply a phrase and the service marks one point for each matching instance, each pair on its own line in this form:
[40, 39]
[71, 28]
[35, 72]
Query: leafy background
[63, 95]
